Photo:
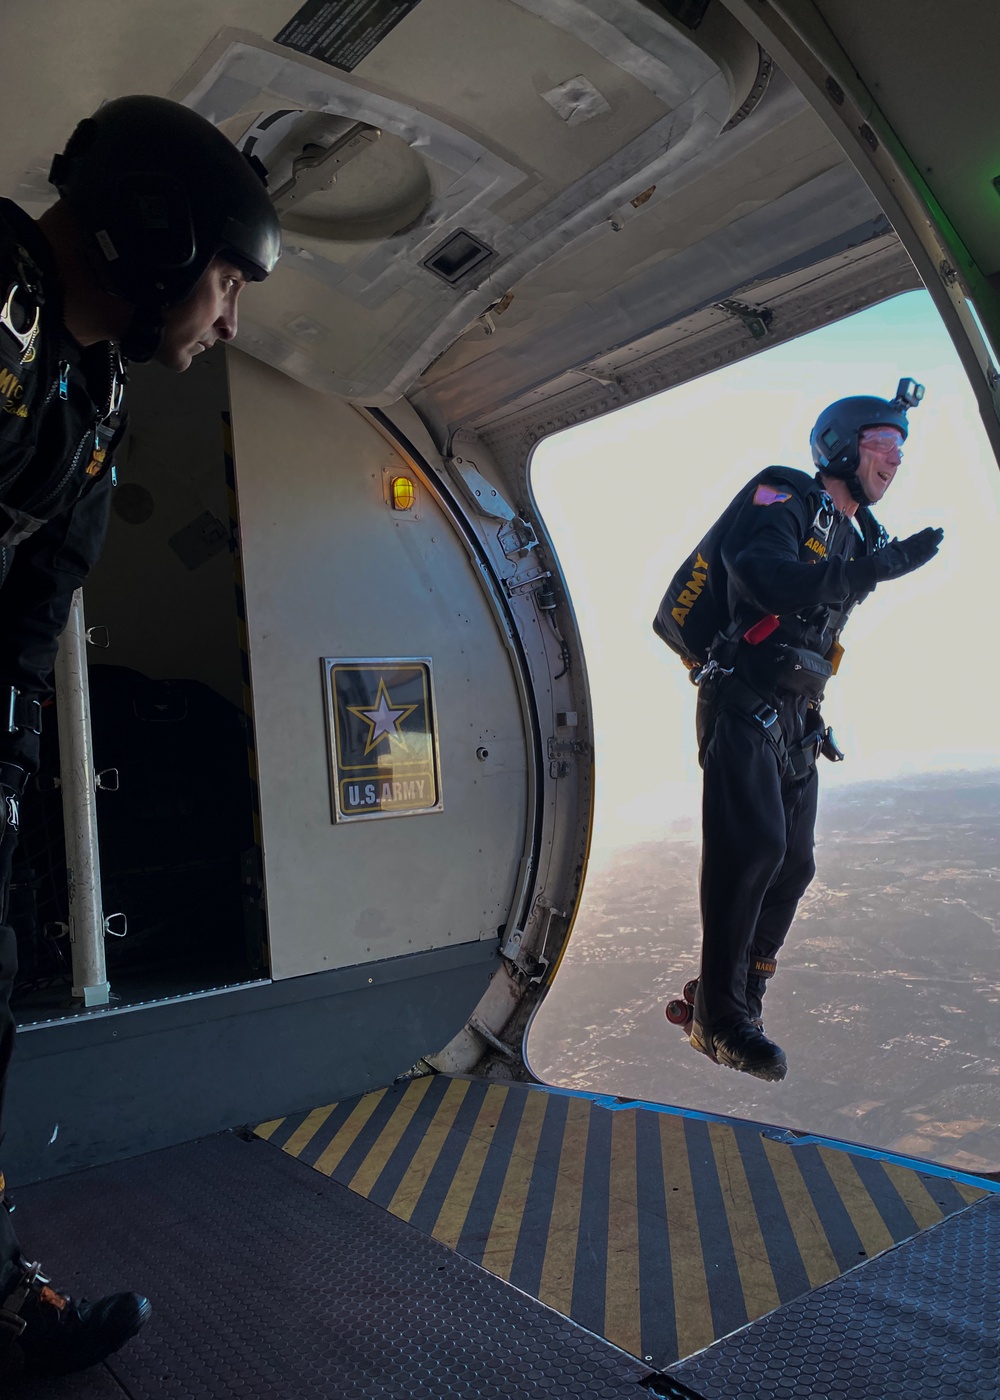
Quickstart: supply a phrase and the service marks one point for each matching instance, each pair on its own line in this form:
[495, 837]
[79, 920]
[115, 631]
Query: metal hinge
[560, 750]
[519, 583]
[526, 963]
[757, 319]
[485, 498]
[558, 747]
[517, 537]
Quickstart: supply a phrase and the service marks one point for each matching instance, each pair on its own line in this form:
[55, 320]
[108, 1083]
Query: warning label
[343, 32]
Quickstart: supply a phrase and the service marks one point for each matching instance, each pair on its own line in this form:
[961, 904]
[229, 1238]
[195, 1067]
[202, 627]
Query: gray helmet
[834, 440]
[159, 192]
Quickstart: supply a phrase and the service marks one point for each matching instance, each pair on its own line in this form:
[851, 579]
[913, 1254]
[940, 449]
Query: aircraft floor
[920, 1323]
[270, 1282]
[658, 1230]
[451, 1237]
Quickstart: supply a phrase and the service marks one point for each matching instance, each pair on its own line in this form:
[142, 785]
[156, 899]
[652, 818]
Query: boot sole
[772, 1073]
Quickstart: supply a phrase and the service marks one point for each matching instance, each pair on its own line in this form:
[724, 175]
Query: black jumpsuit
[784, 548]
[59, 426]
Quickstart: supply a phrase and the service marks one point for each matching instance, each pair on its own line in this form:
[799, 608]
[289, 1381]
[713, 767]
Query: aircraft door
[390, 741]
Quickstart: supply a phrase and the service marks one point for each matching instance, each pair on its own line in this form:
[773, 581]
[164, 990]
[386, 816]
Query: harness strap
[22, 712]
[799, 759]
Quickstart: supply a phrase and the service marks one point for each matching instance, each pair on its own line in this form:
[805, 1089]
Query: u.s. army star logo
[383, 720]
[382, 737]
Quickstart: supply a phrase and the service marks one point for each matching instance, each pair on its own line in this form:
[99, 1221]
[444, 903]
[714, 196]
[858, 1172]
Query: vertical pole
[79, 802]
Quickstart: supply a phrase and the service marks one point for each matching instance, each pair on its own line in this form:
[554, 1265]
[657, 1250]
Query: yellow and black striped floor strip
[658, 1230]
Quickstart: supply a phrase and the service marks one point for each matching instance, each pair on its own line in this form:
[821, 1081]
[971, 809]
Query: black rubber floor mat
[269, 1281]
[96, 1384]
[920, 1322]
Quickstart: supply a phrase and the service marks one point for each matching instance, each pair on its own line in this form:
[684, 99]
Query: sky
[627, 497]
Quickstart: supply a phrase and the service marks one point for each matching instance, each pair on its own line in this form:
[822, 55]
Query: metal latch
[530, 965]
[517, 537]
[560, 750]
[526, 963]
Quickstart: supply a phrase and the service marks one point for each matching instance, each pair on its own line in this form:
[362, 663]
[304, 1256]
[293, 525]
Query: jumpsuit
[760, 731]
[59, 425]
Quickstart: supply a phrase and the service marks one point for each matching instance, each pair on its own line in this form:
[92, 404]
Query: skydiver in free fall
[774, 581]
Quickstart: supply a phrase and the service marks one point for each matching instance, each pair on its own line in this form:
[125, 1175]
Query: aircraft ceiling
[615, 184]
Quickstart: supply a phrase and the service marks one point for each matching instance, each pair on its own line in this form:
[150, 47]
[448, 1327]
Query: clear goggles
[882, 440]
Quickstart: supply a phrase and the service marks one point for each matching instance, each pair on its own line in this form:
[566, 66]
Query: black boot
[52, 1335]
[744, 1047]
[756, 986]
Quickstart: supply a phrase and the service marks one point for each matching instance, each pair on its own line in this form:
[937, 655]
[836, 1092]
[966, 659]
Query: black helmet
[834, 439]
[159, 192]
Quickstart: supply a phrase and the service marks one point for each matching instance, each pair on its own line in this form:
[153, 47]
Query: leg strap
[797, 760]
[763, 967]
[735, 694]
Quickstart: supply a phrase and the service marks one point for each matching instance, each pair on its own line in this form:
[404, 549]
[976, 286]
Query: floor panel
[269, 1281]
[658, 1230]
[921, 1322]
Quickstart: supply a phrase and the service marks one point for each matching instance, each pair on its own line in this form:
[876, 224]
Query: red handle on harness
[760, 630]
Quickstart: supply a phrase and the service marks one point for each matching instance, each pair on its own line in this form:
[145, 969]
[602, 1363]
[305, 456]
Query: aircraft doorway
[886, 1000]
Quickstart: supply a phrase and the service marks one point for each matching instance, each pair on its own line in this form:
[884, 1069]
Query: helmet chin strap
[853, 484]
[846, 469]
[143, 334]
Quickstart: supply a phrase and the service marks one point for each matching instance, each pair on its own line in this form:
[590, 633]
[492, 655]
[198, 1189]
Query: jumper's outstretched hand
[897, 558]
[901, 557]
